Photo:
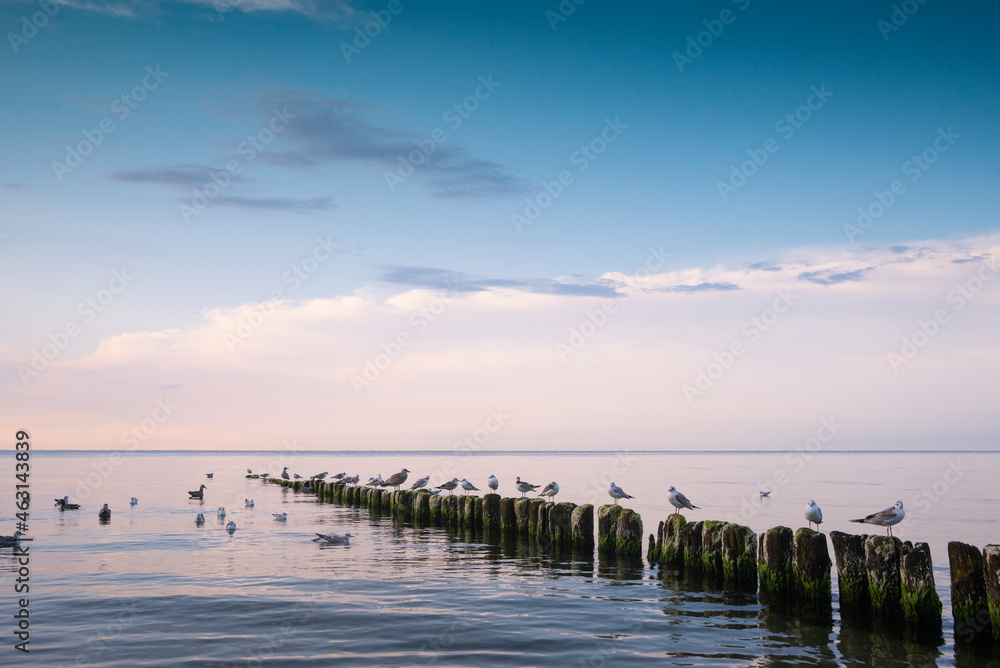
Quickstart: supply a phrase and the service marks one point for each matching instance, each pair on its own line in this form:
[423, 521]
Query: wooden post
[968, 593]
[774, 565]
[711, 551]
[607, 528]
[921, 603]
[561, 523]
[628, 535]
[508, 517]
[491, 514]
[436, 506]
[582, 526]
[739, 557]
[811, 567]
[991, 574]
[690, 539]
[521, 514]
[882, 554]
[852, 573]
[422, 508]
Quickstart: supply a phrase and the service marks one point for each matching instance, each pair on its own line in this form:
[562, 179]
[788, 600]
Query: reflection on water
[153, 588]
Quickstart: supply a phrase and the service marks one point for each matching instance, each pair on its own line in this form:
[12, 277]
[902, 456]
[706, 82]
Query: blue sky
[666, 122]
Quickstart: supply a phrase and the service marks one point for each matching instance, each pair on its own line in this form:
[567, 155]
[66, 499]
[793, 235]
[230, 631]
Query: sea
[152, 588]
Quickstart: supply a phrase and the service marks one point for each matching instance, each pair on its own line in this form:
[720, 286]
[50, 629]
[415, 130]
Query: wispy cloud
[183, 177]
[701, 287]
[442, 279]
[832, 276]
[333, 11]
[289, 204]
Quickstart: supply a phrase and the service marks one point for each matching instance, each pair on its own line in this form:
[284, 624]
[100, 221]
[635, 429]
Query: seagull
[248, 503]
[104, 513]
[420, 484]
[231, 527]
[468, 487]
[353, 480]
[813, 514]
[222, 512]
[249, 471]
[284, 474]
[199, 494]
[209, 475]
[678, 500]
[333, 539]
[200, 519]
[133, 501]
[8, 541]
[296, 476]
[764, 495]
[396, 479]
[281, 517]
[617, 492]
[374, 482]
[435, 492]
[340, 476]
[265, 476]
[524, 487]
[493, 482]
[885, 518]
[64, 504]
[550, 491]
[321, 476]
[450, 485]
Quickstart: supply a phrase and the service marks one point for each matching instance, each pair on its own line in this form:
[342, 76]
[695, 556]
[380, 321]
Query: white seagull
[493, 482]
[550, 491]
[221, 512]
[374, 482]
[450, 485]
[885, 518]
[420, 484]
[248, 503]
[320, 476]
[813, 514]
[281, 517]
[8, 541]
[678, 500]
[617, 492]
[333, 539]
[524, 487]
[133, 501]
[200, 519]
[231, 527]
[296, 476]
[468, 487]
[340, 476]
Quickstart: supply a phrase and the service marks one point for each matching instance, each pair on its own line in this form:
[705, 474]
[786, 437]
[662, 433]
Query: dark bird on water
[104, 513]
[198, 493]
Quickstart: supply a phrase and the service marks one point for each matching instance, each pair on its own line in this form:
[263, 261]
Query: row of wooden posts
[879, 577]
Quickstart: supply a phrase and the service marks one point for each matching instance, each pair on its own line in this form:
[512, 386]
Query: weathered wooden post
[690, 539]
[582, 526]
[435, 504]
[921, 603]
[607, 527]
[403, 505]
[668, 549]
[991, 575]
[711, 551]
[968, 593]
[774, 565]
[535, 507]
[521, 515]
[508, 517]
[811, 566]
[421, 508]
[882, 555]
[491, 514]
[852, 573]
[739, 558]
[385, 501]
[561, 523]
[449, 511]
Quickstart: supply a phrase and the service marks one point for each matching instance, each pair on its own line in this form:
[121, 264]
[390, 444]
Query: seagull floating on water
[450, 485]
[524, 487]
[200, 519]
[493, 482]
[616, 492]
[281, 517]
[222, 512]
[333, 539]
[885, 518]
[396, 479]
[209, 475]
[231, 527]
[550, 491]
[813, 514]
[249, 471]
[764, 495]
[421, 483]
[468, 487]
[64, 504]
[284, 473]
[8, 541]
[199, 494]
[133, 501]
[248, 503]
[104, 513]
[678, 500]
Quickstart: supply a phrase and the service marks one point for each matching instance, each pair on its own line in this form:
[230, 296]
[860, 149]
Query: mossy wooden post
[542, 525]
[852, 573]
[669, 549]
[774, 565]
[508, 518]
[385, 501]
[477, 513]
[628, 535]
[421, 508]
[991, 575]
[561, 523]
[607, 528]
[811, 566]
[403, 505]
[469, 514]
[491, 514]
[739, 558]
[435, 506]
[449, 511]
[582, 526]
[711, 551]
[882, 555]
[921, 603]
[521, 515]
[534, 510]
[655, 542]
[968, 592]
[690, 538]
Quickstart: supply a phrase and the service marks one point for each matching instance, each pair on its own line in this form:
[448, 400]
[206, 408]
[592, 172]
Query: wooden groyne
[880, 579]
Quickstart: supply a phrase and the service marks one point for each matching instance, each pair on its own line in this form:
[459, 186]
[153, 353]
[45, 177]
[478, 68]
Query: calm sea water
[152, 589]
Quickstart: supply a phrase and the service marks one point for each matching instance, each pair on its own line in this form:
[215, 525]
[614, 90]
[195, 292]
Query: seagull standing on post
[678, 500]
[550, 491]
[450, 485]
[284, 473]
[421, 483]
[813, 514]
[616, 492]
[524, 487]
[468, 487]
[493, 482]
[885, 518]
[396, 479]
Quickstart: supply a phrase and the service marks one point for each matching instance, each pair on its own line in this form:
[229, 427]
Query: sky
[391, 225]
